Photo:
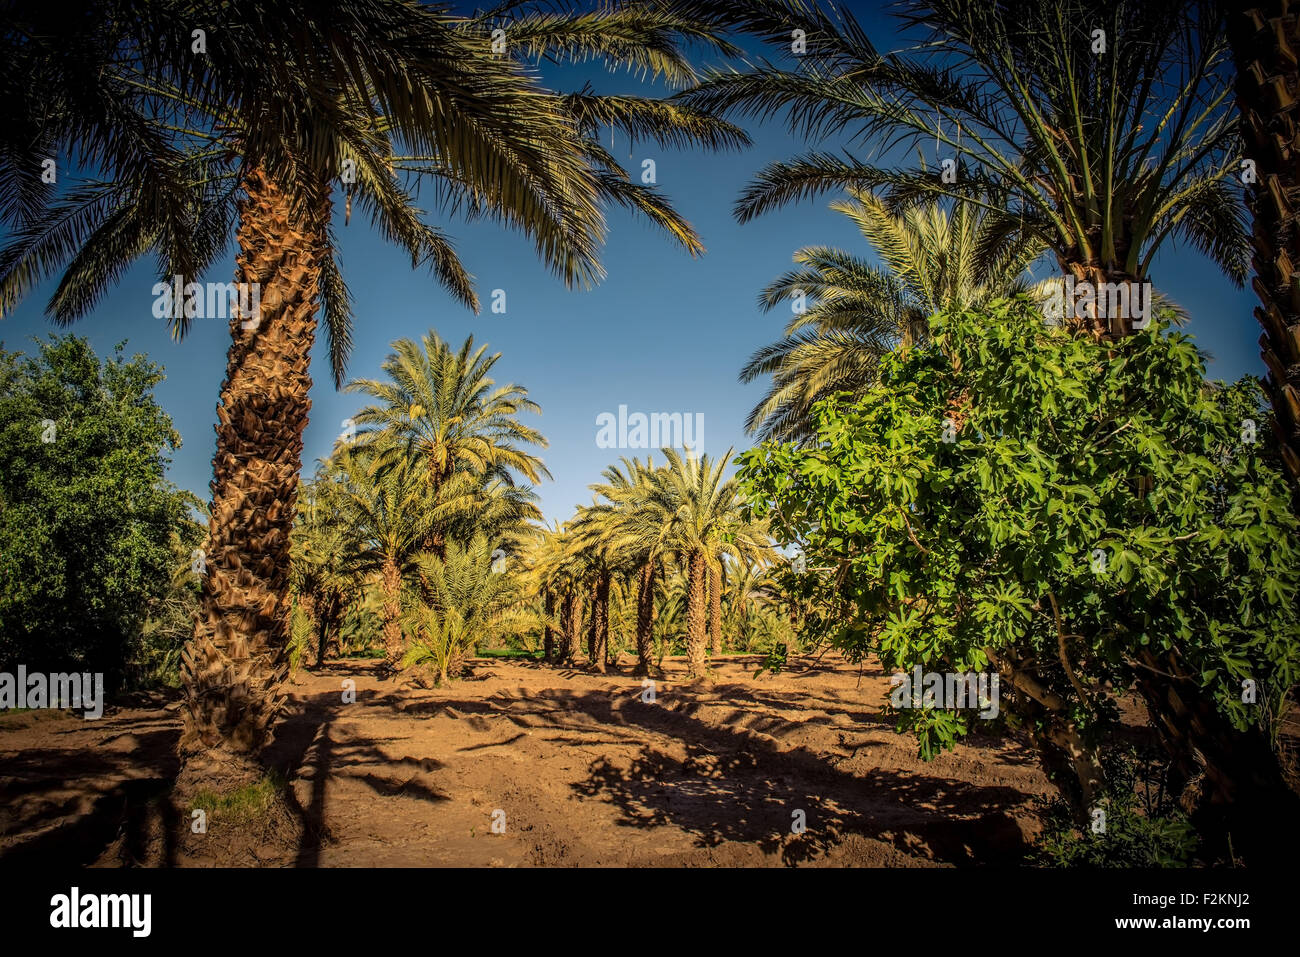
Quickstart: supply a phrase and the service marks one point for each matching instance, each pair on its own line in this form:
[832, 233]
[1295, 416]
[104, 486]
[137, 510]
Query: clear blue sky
[663, 332]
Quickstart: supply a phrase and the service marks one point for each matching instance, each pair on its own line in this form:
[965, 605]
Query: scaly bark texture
[696, 599]
[645, 605]
[1099, 319]
[1265, 40]
[235, 664]
[1243, 793]
[715, 610]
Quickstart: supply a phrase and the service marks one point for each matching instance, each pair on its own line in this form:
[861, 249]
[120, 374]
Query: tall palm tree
[1077, 135]
[636, 532]
[322, 538]
[562, 571]
[442, 408]
[701, 511]
[1268, 80]
[290, 97]
[388, 515]
[932, 259]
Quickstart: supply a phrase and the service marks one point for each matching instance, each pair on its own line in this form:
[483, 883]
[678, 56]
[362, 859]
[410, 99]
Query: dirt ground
[584, 771]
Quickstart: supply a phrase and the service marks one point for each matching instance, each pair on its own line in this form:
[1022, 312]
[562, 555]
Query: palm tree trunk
[715, 609]
[645, 604]
[328, 624]
[1244, 793]
[1102, 321]
[695, 612]
[391, 614]
[598, 637]
[234, 666]
[1267, 84]
[571, 616]
[548, 633]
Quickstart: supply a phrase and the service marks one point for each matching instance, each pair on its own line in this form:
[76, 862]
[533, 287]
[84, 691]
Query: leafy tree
[1015, 498]
[89, 527]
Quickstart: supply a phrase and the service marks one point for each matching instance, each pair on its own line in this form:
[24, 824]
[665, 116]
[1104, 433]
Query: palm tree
[441, 408]
[701, 512]
[322, 582]
[469, 598]
[388, 515]
[1076, 134]
[261, 129]
[931, 259]
[1267, 81]
[561, 571]
[636, 532]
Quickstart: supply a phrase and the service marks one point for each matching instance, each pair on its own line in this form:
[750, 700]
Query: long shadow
[734, 786]
[731, 787]
[127, 807]
[306, 748]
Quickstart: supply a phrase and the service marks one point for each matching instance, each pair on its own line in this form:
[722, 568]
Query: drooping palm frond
[1102, 154]
[848, 313]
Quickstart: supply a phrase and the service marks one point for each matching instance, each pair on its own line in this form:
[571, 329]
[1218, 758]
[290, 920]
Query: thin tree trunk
[234, 666]
[548, 633]
[1073, 764]
[571, 619]
[715, 609]
[645, 604]
[598, 638]
[329, 611]
[1268, 80]
[696, 600]
[391, 614]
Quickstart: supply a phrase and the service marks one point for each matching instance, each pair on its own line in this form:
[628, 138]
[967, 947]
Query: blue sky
[662, 333]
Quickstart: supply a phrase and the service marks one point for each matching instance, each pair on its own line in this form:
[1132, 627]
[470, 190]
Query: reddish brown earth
[585, 772]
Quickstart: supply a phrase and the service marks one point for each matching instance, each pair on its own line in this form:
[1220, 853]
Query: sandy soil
[585, 772]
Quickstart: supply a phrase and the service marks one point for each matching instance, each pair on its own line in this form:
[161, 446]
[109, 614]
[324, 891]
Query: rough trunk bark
[1101, 318]
[1268, 82]
[695, 612]
[1244, 794]
[715, 610]
[234, 666]
[645, 603]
